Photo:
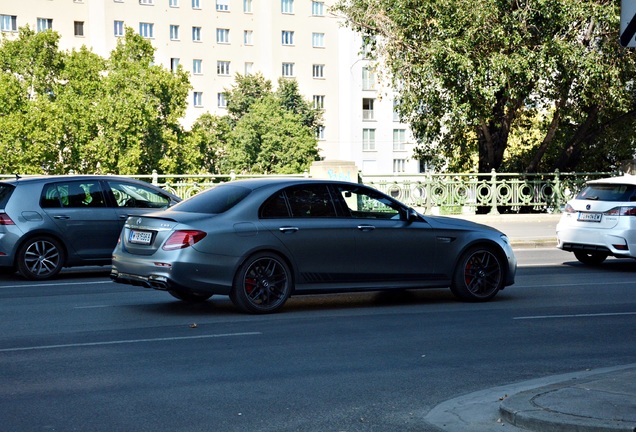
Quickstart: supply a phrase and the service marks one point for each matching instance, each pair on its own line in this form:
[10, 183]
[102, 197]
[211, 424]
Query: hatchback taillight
[5, 219]
[183, 239]
[622, 211]
[569, 209]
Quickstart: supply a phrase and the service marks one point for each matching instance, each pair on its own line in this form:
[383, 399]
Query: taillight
[5, 219]
[183, 239]
[569, 209]
[622, 211]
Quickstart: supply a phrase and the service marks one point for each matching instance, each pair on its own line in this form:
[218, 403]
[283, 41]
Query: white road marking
[126, 341]
[575, 315]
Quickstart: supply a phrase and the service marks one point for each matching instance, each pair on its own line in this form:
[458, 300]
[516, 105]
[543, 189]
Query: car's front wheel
[262, 285]
[479, 275]
[40, 258]
[590, 258]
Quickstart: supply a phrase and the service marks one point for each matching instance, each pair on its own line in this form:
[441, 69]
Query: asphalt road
[81, 353]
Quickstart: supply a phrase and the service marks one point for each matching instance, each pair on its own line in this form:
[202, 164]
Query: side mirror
[411, 215]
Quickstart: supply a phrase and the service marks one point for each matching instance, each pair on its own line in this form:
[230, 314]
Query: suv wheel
[40, 258]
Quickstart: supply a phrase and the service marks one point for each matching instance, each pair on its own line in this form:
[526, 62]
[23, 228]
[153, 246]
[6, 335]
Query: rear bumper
[617, 242]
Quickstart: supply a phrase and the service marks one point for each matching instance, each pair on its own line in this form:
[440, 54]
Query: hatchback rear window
[608, 192]
[214, 201]
[5, 193]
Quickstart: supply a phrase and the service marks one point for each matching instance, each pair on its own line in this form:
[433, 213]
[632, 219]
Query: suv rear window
[608, 192]
[5, 193]
[214, 201]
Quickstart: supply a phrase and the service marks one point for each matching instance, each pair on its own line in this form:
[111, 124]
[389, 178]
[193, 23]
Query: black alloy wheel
[479, 275]
[40, 258]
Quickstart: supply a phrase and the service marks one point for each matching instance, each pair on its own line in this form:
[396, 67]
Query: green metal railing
[453, 193]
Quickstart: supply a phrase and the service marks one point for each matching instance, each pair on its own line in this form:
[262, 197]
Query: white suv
[600, 221]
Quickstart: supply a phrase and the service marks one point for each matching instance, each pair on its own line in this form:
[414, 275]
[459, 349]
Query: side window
[275, 207]
[137, 196]
[365, 203]
[79, 194]
[310, 201]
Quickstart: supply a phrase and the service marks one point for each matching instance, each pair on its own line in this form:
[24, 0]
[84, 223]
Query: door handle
[63, 217]
[288, 230]
[366, 227]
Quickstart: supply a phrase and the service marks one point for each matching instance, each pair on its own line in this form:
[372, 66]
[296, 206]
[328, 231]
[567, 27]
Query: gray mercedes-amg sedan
[262, 241]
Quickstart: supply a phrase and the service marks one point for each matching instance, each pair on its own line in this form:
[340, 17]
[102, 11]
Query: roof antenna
[17, 176]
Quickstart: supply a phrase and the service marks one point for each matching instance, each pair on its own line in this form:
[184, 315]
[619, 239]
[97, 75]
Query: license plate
[140, 237]
[590, 217]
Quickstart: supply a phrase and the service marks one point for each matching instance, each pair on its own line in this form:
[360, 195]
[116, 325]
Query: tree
[469, 73]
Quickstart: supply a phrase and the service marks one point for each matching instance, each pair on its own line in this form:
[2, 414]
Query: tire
[262, 284]
[40, 258]
[590, 258]
[479, 275]
[190, 297]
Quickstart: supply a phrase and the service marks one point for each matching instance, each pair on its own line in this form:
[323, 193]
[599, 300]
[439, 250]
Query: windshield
[608, 192]
[214, 201]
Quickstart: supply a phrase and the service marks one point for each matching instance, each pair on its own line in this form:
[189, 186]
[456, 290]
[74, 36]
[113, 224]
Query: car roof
[256, 183]
[64, 177]
[624, 179]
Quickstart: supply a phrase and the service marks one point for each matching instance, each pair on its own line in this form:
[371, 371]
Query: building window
[318, 71]
[318, 40]
[174, 64]
[223, 36]
[288, 69]
[221, 100]
[223, 5]
[399, 165]
[396, 114]
[78, 28]
[319, 101]
[198, 99]
[173, 3]
[197, 66]
[320, 133]
[44, 24]
[146, 2]
[147, 30]
[247, 6]
[8, 23]
[248, 37]
[196, 34]
[367, 108]
[196, 4]
[317, 8]
[287, 37]
[249, 68]
[223, 68]
[119, 28]
[368, 78]
[174, 32]
[287, 6]
[368, 139]
[399, 139]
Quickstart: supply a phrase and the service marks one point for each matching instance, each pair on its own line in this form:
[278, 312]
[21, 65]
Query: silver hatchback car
[51, 222]
[600, 221]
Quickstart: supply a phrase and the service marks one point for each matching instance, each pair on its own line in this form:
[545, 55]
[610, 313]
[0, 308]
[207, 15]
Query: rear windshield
[214, 201]
[5, 192]
[608, 192]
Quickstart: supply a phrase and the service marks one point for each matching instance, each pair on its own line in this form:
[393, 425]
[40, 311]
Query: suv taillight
[182, 239]
[5, 219]
[621, 211]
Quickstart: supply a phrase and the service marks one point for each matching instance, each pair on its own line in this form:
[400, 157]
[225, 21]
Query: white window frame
[317, 8]
[78, 28]
[399, 165]
[197, 99]
[173, 3]
[8, 23]
[399, 139]
[367, 108]
[247, 6]
[318, 71]
[222, 36]
[44, 24]
[223, 68]
[196, 34]
[368, 78]
[320, 133]
[174, 32]
[288, 70]
[248, 37]
[174, 64]
[287, 6]
[221, 100]
[318, 40]
[197, 66]
[147, 30]
[368, 139]
[287, 37]
[248, 68]
[223, 5]
[196, 4]
[147, 2]
[118, 28]
[319, 101]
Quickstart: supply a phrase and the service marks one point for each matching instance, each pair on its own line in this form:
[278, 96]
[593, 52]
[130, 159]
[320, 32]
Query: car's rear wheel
[40, 258]
[190, 297]
[590, 258]
[479, 275]
[262, 285]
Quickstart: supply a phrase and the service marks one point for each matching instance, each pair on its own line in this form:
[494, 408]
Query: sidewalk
[600, 400]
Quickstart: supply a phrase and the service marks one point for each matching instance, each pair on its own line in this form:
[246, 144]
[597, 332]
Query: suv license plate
[140, 237]
[590, 217]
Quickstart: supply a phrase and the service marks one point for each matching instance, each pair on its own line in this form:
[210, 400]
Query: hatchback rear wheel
[479, 275]
[262, 284]
[590, 258]
[40, 258]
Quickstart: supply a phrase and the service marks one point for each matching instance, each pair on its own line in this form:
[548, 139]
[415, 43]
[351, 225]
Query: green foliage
[470, 73]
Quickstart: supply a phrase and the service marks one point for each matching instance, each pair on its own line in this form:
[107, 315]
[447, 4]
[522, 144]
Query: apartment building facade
[215, 39]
